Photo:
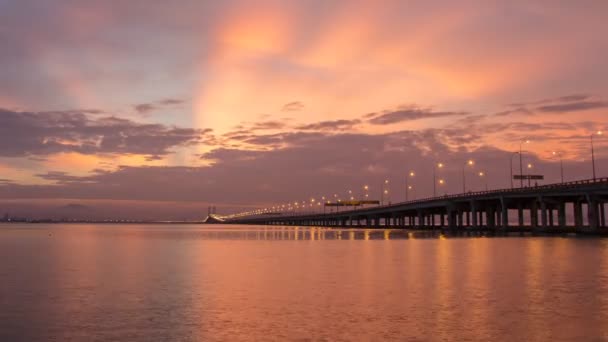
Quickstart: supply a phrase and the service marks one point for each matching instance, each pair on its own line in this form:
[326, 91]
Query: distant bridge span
[574, 206]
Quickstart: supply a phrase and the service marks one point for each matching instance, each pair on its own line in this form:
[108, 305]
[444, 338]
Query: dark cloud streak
[330, 125]
[32, 133]
[409, 114]
[573, 106]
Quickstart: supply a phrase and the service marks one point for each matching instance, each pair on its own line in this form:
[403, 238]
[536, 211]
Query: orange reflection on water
[259, 283]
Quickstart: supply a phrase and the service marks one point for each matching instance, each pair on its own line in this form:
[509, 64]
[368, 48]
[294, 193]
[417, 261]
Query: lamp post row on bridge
[436, 166]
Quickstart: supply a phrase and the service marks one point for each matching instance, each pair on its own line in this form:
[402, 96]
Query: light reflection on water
[180, 282]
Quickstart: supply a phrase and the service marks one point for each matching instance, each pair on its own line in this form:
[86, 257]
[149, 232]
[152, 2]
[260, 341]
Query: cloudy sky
[157, 109]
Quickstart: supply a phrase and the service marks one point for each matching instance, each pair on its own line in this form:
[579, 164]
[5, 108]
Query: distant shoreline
[101, 222]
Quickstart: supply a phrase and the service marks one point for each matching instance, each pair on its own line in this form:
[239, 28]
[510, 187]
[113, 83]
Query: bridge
[564, 207]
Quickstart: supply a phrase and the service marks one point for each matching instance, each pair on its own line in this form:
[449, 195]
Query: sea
[180, 282]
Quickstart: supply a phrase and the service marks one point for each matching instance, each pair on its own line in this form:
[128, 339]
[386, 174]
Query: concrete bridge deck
[574, 206]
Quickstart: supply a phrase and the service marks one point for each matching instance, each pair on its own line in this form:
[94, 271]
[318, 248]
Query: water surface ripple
[232, 283]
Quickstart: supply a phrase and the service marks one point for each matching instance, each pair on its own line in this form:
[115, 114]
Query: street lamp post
[521, 167]
[561, 164]
[437, 165]
[593, 153]
[336, 199]
[407, 186]
[469, 163]
[511, 166]
[483, 175]
[383, 191]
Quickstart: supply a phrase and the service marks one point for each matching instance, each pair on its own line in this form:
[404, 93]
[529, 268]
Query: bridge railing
[553, 186]
[565, 185]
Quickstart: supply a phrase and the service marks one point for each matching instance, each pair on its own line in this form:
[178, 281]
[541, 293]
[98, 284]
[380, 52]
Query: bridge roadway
[566, 207]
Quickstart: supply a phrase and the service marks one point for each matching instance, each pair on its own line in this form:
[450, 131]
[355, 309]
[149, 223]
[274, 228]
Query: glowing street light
[407, 186]
[435, 167]
[483, 175]
[468, 163]
[530, 167]
[521, 169]
[383, 191]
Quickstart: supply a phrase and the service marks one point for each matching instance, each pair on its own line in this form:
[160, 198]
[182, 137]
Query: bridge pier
[534, 214]
[592, 213]
[491, 217]
[602, 215]
[451, 219]
[578, 214]
[561, 215]
[474, 214]
[543, 213]
[520, 215]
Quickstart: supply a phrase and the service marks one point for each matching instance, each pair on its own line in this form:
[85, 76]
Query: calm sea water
[194, 283]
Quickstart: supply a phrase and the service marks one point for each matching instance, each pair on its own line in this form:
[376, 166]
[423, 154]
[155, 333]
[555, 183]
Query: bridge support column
[578, 214]
[520, 214]
[491, 217]
[534, 214]
[504, 215]
[561, 215]
[474, 214]
[602, 215]
[498, 215]
[592, 213]
[420, 219]
[543, 213]
[451, 219]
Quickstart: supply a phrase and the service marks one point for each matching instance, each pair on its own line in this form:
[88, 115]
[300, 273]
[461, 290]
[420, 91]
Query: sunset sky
[157, 109]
